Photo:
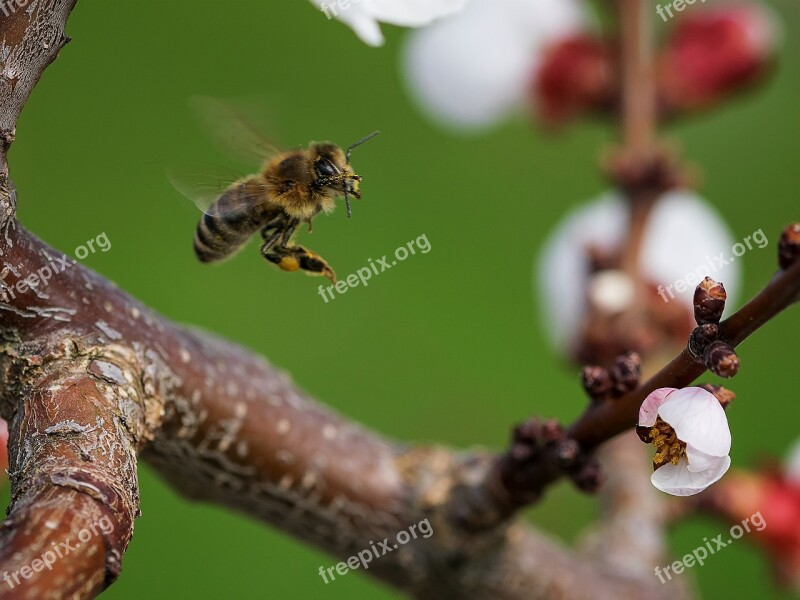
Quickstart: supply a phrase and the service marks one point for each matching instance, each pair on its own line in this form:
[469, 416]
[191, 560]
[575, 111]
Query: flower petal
[363, 16]
[471, 70]
[468, 71]
[411, 13]
[685, 241]
[698, 420]
[649, 409]
[364, 26]
[679, 481]
[563, 269]
[684, 236]
[699, 461]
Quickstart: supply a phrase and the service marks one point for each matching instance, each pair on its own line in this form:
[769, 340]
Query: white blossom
[364, 16]
[684, 235]
[699, 455]
[471, 70]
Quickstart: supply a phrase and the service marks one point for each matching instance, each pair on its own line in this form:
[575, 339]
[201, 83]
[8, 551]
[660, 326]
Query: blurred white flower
[471, 70]
[612, 290]
[690, 431]
[682, 234]
[364, 16]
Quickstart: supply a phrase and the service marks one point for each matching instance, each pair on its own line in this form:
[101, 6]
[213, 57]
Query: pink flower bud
[713, 53]
[575, 77]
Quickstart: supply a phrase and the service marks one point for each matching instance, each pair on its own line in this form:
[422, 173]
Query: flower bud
[596, 381]
[724, 395]
[709, 301]
[721, 359]
[789, 246]
[589, 478]
[575, 77]
[567, 452]
[701, 337]
[626, 373]
[715, 52]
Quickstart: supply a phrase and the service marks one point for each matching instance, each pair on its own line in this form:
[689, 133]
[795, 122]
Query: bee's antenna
[347, 157]
[358, 143]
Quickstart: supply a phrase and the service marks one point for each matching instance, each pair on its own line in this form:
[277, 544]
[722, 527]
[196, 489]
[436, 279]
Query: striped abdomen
[229, 222]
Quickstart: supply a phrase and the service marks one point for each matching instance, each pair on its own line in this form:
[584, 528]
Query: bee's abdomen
[229, 223]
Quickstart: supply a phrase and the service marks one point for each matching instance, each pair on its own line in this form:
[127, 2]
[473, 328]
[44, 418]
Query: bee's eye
[325, 168]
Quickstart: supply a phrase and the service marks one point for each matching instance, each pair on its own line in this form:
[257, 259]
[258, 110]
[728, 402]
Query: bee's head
[330, 166]
[332, 169]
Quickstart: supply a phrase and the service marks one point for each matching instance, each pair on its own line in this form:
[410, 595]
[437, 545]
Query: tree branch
[223, 425]
[73, 474]
[31, 39]
[639, 118]
[602, 422]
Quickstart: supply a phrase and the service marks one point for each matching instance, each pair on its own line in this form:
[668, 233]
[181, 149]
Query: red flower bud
[575, 76]
[774, 500]
[713, 53]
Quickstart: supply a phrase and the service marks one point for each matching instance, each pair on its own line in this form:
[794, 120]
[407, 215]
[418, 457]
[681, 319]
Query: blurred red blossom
[575, 77]
[713, 53]
[775, 493]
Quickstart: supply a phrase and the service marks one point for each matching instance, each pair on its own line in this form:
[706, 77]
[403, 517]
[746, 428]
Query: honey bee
[290, 189]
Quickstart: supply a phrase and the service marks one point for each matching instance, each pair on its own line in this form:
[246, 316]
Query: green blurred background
[448, 346]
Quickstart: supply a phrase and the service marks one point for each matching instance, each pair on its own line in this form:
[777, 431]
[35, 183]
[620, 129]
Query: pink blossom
[690, 430]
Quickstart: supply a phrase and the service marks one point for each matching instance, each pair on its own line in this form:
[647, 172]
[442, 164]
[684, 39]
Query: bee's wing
[233, 126]
[204, 184]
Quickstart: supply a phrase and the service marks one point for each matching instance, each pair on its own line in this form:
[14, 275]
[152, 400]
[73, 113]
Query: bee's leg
[277, 221]
[277, 231]
[294, 258]
[313, 263]
[287, 233]
[271, 237]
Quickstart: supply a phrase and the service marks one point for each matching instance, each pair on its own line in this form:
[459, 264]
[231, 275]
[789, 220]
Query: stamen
[669, 448]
